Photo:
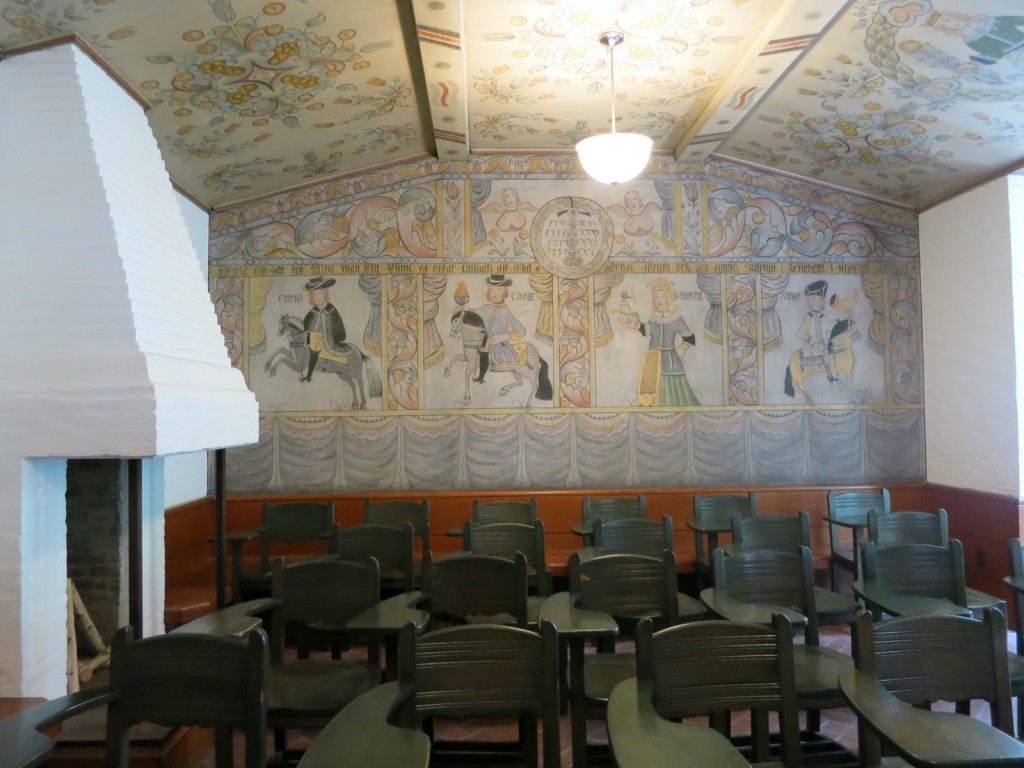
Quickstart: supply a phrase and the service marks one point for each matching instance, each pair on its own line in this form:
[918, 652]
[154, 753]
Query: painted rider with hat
[815, 329]
[503, 330]
[323, 325]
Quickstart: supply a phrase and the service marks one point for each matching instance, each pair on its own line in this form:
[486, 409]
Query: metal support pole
[135, 616]
[219, 464]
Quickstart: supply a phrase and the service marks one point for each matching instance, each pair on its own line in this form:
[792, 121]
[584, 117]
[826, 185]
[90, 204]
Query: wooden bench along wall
[982, 521]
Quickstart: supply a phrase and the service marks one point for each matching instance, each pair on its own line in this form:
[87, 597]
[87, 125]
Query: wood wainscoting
[982, 521]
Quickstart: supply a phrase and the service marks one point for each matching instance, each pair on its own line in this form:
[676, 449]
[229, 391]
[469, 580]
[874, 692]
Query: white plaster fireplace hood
[111, 346]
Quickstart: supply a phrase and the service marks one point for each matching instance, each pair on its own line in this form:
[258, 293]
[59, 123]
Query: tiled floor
[838, 725]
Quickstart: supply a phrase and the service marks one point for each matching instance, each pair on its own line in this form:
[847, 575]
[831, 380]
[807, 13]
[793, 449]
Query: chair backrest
[1016, 557]
[854, 504]
[936, 657]
[920, 570]
[504, 511]
[857, 503]
[783, 532]
[771, 577]
[477, 588]
[626, 586]
[721, 507]
[908, 528]
[505, 540]
[294, 521]
[610, 508]
[396, 512]
[189, 679]
[324, 593]
[392, 548]
[633, 536]
[706, 667]
[482, 671]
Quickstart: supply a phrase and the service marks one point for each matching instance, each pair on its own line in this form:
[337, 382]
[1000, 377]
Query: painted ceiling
[907, 101]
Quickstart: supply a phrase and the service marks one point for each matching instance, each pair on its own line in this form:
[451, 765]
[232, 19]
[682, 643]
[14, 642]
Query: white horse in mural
[469, 326]
[349, 368]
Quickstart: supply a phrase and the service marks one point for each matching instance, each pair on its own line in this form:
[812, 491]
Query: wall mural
[475, 327]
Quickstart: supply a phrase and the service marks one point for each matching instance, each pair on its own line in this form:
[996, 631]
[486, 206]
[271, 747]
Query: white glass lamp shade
[612, 158]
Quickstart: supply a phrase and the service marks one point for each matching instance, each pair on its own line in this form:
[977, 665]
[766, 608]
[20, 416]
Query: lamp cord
[611, 63]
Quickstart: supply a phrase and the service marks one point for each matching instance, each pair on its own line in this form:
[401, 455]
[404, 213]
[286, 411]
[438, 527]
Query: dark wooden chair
[319, 596]
[482, 671]
[178, 679]
[392, 547]
[903, 665]
[715, 512]
[633, 536]
[505, 540]
[626, 588]
[470, 588]
[705, 669]
[396, 513]
[910, 527]
[504, 511]
[362, 735]
[847, 514]
[284, 523]
[752, 585]
[638, 537]
[787, 533]
[907, 579]
[610, 508]
[1016, 660]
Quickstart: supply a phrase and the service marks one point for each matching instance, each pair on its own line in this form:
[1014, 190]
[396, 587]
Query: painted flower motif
[249, 70]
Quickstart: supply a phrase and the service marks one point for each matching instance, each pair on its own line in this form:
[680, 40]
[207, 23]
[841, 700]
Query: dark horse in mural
[349, 368]
[838, 365]
[469, 326]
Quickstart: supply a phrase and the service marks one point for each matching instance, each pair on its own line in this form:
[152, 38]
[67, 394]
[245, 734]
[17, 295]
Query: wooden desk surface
[924, 738]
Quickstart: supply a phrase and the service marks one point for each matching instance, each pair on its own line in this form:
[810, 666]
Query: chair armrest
[233, 621]
[21, 734]
[242, 535]
[719, 601]
[570, 620]
[1016, 583]
[641, 738]
[895, 604]
[391, 614]
[360, 736]
[923, 737]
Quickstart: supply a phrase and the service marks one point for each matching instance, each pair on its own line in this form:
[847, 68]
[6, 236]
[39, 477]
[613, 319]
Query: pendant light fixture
[612, 158]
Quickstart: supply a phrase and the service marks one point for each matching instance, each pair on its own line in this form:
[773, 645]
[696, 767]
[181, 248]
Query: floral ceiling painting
[904, 101]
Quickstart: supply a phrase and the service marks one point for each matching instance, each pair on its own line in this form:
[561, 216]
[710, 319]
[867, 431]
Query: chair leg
[280, 744]
[223, 747]
[813, 720]
[528, 738]
[869, 746]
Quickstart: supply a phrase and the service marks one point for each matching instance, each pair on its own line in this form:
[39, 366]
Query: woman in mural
[662, 376]
[324, 328]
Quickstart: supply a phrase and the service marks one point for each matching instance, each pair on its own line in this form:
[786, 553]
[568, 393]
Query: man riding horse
[325, 331]
[815, 329]
[504, 331]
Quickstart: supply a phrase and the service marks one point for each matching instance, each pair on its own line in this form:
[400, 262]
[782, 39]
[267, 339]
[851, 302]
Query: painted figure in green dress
[662, 375]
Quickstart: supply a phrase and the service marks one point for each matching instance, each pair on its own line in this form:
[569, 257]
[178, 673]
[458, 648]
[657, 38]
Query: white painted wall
[970, 357]
[112, 346]
[1015, 192]
[186, 475]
